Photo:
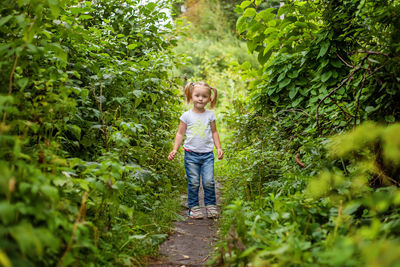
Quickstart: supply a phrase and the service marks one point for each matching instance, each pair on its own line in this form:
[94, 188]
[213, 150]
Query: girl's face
[200, 97]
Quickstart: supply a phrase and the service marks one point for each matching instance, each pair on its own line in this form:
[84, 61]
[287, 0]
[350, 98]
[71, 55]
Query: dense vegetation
[293, 195]
[308, 112]
[86, 105]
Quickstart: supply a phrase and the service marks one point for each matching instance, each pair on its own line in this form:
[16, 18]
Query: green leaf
[76, 10]
[153, 98]
[238, 9]
[137, 237]
[159, 237]
[370, 109]
[4, 20]
[5, 99]
[297, 102]
[246, 65]
[22, 83]
[50, 191]
[151, 6]
[325, 76]
[281, 76]
[132, 46]
[138, 93]
[351, 208]
[323, 49]
[251, 45]
[7, 212]
[336, 63]
[245, 4]
[266, 15]
[282, 10]
[27, 240]
[85, 17]
[75, 130]
[249, 13]
[47, 238]
[263, 58]
[271, 45]
[293, 74]
[301, 24]
[270, 30]
[390, 118]
[271, 90]
[58, 52]
[82, 184]
[293, 92]
[284, 83]
[54, 7]
[241, 24]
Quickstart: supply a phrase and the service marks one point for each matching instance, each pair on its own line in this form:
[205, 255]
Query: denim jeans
[197, 164]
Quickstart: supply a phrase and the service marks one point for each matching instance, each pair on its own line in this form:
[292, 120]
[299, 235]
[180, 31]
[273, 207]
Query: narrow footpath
[191, 242]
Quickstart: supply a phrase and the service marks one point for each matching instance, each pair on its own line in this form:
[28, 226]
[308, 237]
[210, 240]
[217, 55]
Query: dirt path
[190, 243]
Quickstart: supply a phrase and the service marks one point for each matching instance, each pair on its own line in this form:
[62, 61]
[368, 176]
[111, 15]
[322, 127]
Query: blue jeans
[197, 164]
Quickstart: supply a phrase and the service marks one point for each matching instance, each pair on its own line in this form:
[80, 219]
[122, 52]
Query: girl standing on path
[201, 132]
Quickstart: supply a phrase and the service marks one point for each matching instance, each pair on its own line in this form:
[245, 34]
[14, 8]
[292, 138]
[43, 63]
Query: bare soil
[191, 242]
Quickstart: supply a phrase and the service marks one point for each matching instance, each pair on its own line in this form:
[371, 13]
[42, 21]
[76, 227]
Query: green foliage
[294, 196]
[312, 63]
[334, 219]
[210, 52]
[85, 105]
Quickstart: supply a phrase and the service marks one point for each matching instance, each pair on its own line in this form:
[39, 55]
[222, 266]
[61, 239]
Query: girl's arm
[215, 137]
[178, 140]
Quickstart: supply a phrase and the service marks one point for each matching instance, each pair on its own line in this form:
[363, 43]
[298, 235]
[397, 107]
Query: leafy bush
[86, 102]
[333, 219]
[294, 196]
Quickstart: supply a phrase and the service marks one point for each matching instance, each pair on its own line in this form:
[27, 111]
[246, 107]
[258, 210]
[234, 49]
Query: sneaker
[196, 213]
[212, 211]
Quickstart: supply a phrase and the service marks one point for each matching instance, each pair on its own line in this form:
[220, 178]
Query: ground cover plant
[85, 104]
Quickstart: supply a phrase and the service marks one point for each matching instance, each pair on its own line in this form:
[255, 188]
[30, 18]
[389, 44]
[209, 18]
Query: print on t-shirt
[199, 129]
[198, 132]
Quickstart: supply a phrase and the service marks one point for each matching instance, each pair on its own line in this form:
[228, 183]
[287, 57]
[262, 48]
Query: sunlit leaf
[249, 12]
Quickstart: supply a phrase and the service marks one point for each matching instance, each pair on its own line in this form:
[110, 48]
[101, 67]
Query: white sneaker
[196, 213]
[212, 211]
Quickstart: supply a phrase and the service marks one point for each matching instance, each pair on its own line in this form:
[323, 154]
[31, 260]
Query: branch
[10, 84]
[375, 71]
[344, 111]
[341, 85]
[347, 64]
[80, 217]
[11, 79]
[334, 90]
[298, 160]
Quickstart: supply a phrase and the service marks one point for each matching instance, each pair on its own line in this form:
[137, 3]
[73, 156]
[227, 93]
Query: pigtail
[188, 92]
[214, 97]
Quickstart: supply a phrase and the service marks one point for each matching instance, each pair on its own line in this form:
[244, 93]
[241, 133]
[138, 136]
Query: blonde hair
[189, 90]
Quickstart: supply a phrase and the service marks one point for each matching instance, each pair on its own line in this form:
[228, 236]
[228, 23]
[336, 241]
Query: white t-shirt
[198, 131]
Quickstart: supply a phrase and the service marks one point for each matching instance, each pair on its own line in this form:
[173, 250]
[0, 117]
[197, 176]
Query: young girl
[201, 132]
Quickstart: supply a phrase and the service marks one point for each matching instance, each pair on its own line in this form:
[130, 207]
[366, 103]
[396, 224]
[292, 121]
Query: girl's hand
[220, 154]
[172, 154]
